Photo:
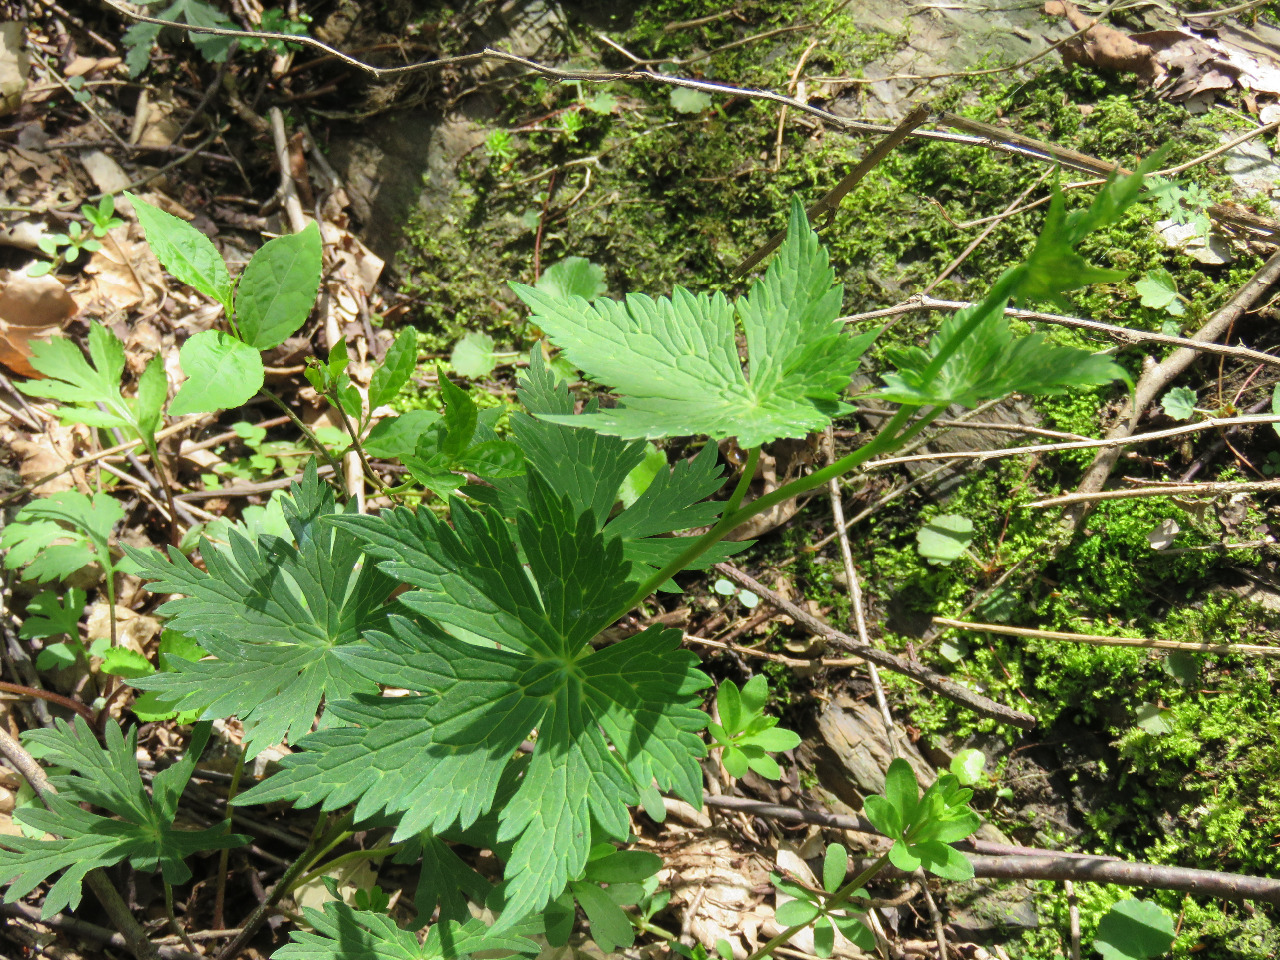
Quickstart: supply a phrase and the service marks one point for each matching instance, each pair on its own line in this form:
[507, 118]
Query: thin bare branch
[916, 671]
[1101, 641]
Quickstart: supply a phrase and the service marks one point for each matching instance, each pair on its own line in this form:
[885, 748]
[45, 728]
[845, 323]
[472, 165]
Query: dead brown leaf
[30, 308]
[49, 452]
[1102, 46]
[13, 66]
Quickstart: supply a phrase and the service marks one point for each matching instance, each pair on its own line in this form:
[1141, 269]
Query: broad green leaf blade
[789, 317]
[395, 370]
[460, 418]
[901, 789]
[472, 356]
[273, 615]
[1159, 291]
[390, 758]
[729, 706]
[675, 361]
[573, 277]
[123, 662]
[624, 866]
[967, 766]
[688, 100]
[795, 913]
[903, 857]
[774, 740]
[835, 864]
[185, 252]
[883, 816]
[857, 932]
[572, 782]
[942, 860]
[518, 660]
[675, 499]
[590, 469]
[583, 465]
[1134, 930]
[153, 390]
[755, 696]
[222, 373]
[990, 362]
[974, 357]
[824, 938]
[443, 879]
[278, 288]
[610, 927]
[53, 537]
[397, 437]
[49, 615]
[582, 578]
[735, 762]
[763, 765]
[1179, 403]
[945, 538]
[81, 385]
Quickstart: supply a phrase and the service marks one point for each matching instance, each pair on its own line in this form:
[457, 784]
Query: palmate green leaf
[140, 828]
[273, 614]
[80, 385]
[340, 932]
[573, 277]
[51, 616]
[53, 537]
[591, 469]
[473, 356]
[992, 362]
[443, 878]
[988, 361]
[504, 651]
[675, 361]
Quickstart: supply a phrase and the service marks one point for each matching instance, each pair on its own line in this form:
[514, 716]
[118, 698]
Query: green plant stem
[321, 842]
[359, 447]
[886, 441]
[837, 899]
[306, 432]
[332, 840]
[173, 919]
[744, 482]
[350, 856]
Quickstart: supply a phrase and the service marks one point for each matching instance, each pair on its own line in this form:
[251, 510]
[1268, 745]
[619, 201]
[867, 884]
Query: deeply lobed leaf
[141, 832]
[340, 932]
[590, 469]
[675, 360]
[501, 651]
[975, 357]
[273, 614]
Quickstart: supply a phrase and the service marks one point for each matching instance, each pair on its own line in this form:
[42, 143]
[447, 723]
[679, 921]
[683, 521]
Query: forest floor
[435, 188]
